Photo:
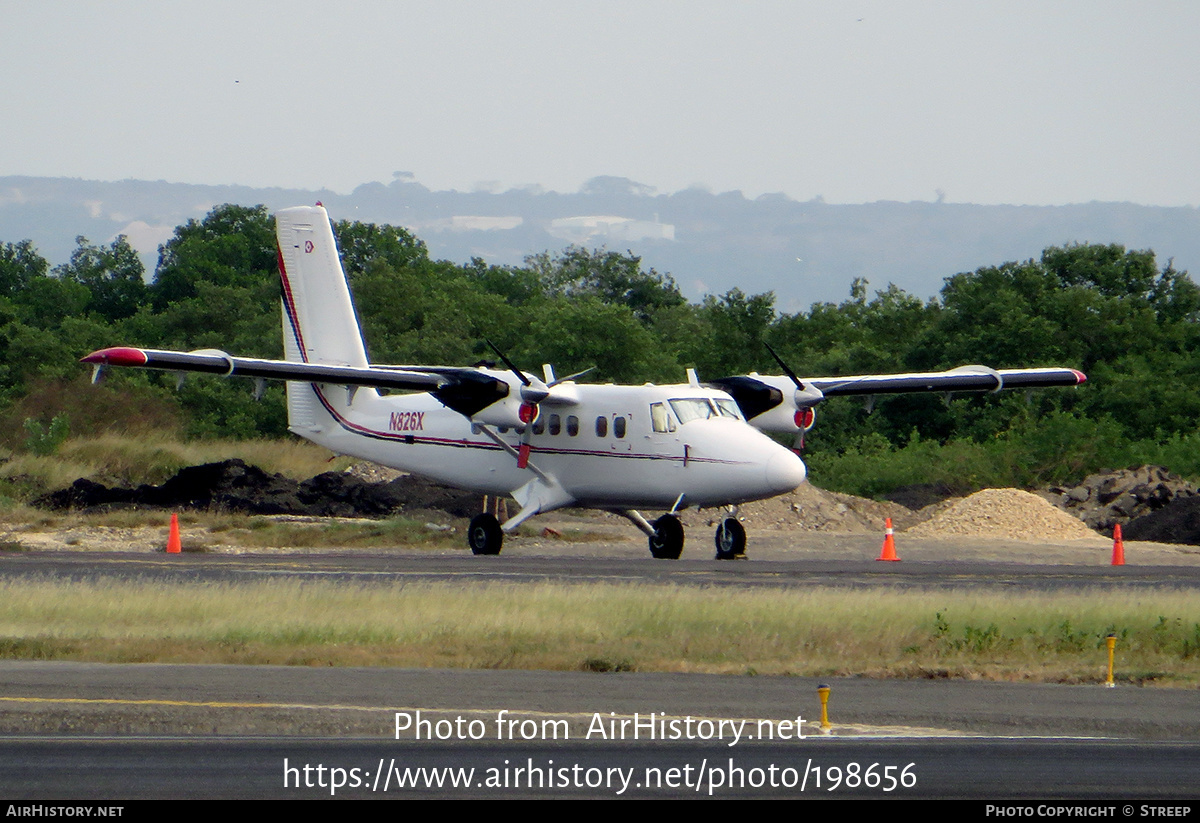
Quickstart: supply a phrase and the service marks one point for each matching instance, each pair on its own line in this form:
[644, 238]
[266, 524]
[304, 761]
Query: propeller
[533, 391]
[806, 398]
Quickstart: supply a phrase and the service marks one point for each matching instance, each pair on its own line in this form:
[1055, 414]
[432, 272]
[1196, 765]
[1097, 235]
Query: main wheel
[731, 539]
[667, 542]
[484, 535]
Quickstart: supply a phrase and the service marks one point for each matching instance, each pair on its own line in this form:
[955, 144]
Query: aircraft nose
[785, 471]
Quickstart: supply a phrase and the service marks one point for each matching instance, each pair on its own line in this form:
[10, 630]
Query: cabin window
[660, 418]
[602, 427]
[555, 424]
[476, 428]
[503, 430]
[619, 426]
[539, 426]
[572, 425]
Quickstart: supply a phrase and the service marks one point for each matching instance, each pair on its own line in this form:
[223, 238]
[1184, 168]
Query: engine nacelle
[773, 404]
[511, 411]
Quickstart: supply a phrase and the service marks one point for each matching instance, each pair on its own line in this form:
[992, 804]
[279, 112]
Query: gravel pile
[1010, 513]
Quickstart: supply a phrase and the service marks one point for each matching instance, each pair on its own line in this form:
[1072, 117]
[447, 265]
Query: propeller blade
[806, 396]
[783, 366]
[511, 367]
[532, 390]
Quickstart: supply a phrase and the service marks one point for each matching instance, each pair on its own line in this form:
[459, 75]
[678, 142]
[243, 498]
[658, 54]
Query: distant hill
[803, 251]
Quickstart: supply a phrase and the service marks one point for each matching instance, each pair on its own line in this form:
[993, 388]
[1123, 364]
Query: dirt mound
[234, 486]
[809, 508]
[1102, 500]
[1010, 513]
[917, 496]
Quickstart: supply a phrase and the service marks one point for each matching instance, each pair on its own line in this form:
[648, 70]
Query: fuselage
[608, 446]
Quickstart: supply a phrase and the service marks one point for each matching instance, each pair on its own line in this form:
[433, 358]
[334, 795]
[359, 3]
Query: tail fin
[319, 324]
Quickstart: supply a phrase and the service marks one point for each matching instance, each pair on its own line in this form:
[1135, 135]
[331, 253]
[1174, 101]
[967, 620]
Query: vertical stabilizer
[319, 324]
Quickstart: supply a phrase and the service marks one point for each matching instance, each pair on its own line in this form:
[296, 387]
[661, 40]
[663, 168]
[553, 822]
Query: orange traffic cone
[889, 543]
[1118, 547]
[173, 543]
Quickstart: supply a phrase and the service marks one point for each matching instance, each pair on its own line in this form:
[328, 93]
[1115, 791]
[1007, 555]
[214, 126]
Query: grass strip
[610, 627]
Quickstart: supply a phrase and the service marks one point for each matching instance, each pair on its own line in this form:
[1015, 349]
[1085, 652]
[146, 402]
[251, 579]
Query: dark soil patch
[234, 486]
[1176, 522]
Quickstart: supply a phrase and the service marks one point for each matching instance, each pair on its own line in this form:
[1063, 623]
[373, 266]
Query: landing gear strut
[667, 541]
[731, 539]
[484, 534]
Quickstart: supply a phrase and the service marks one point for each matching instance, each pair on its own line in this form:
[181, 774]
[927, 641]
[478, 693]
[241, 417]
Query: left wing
[785, 403]
[214, 361]
[482, 395]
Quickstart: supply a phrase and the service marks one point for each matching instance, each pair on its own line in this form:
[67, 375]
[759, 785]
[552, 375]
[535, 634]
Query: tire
[484, 535]
[667, 542]
[730, 539]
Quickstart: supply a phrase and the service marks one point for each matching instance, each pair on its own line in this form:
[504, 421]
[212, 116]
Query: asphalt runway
[94, 731]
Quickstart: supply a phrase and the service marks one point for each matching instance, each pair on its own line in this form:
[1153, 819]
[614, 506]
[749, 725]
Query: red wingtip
[1080, 377]
[118, 356]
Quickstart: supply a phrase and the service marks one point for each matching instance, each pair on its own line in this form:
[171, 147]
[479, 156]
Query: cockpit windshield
[728, 408]
[702, 408]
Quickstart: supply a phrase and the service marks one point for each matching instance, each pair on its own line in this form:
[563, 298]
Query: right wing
[784, 403]
[964, 378]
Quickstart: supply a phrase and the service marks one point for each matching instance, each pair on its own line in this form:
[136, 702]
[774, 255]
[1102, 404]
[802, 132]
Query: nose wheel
[730, 540]
[667, 541]
[484, 534]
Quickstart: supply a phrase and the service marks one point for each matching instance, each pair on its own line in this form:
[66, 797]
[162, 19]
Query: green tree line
[1131, 325]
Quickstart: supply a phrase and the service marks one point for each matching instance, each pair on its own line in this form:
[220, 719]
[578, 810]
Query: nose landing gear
[731, 540]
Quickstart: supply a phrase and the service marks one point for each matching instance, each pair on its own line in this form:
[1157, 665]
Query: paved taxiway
[582, 564]
[82, 730]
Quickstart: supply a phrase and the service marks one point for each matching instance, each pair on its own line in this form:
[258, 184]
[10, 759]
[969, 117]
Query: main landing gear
[666, 535]
[484, 534]
[667, 541]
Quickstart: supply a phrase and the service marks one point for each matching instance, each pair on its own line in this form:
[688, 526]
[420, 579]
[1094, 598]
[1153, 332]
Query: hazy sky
[989, 102]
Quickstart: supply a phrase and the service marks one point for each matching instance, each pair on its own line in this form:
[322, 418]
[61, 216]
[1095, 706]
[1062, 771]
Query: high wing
[214, 361]
[482, 395]
[785, 403]
[467, 391]
[963, 378]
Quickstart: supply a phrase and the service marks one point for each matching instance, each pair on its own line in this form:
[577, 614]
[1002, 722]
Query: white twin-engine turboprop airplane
[547, 442]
